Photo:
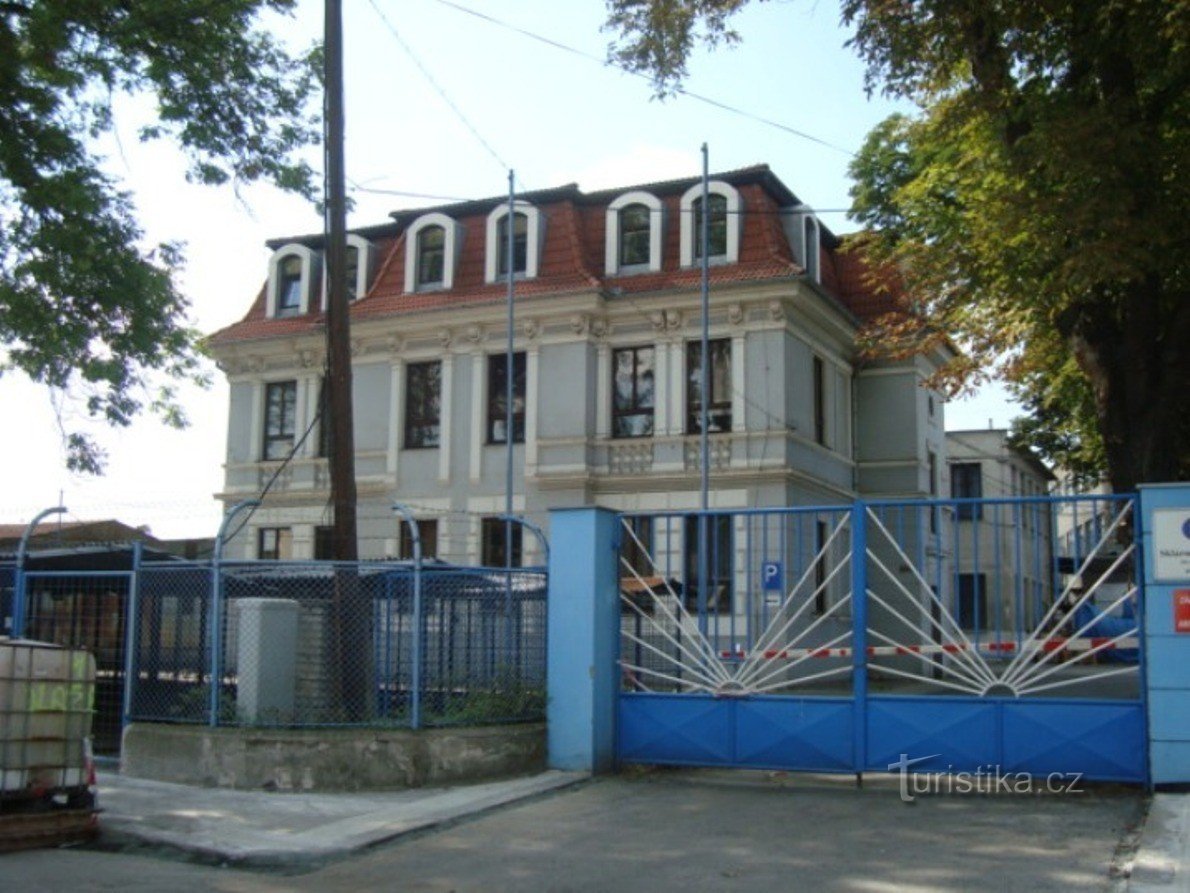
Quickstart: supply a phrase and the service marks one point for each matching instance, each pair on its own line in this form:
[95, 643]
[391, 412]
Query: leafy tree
[1035, 206]
[85, 306]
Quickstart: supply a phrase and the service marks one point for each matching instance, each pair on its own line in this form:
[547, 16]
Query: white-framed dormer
[292, 272]
[423, 247]
[726, 196]
[361, 256]
[811, 234]
[625, 252]
[526, 226]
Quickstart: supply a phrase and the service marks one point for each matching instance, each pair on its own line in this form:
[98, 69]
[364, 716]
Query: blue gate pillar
[583, 631]
[1165, 523]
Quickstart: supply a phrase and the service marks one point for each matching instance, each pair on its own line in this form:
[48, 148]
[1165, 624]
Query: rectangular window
[351, 273]
[966, 482]
[274, 544]
[819, 402]
[636, 548]
[719, 563]
[821, 602]
[324, 543]
[280, 406]
[716, 227]
[973, 601]
[632, 392]
[634, 235]
[497, 398]
[520, 244]
[423, 402]
[324, 420]
[493, 552]
[289, 287]
[719, 393]
[427, 532]
[431, 256]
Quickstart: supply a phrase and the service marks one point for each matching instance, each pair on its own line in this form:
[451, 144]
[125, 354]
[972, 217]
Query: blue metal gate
[946, 636]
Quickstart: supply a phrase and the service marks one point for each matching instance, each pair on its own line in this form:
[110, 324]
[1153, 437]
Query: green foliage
[85, 307]
[1034, 208]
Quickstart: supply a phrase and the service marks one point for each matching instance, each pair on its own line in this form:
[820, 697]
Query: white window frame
[611, 248]
[451, 243]
[533, 237]
[363, 268]
[734, 221]
[309, 259]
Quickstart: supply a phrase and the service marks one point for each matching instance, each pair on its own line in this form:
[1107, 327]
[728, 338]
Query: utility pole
[338, 335]
[351, 614]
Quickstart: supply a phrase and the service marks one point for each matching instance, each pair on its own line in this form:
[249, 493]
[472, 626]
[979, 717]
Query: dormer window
[293, 273]
[520, 244]
[289, 286]
[357, 273]
[633, 242]
[431, 251]
[723, 224]
[526, 242]
[810, 246]
[634, 235]
[716, 226]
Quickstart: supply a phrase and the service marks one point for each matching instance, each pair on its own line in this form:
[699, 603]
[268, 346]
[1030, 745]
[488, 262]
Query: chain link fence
[325, 644]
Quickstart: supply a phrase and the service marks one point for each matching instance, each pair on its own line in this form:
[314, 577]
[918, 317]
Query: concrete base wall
[329, 759]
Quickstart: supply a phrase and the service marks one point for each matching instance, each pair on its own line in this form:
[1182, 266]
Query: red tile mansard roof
[572, 256]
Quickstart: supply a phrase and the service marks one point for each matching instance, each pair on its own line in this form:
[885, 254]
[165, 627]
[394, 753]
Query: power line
[437, 87]
[682, 91]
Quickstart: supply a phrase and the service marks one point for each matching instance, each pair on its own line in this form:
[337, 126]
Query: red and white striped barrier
[1050, 645]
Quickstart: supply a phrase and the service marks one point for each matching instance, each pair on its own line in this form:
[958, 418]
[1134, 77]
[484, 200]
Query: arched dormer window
[526, 242]
[810, 246]
[633, 242]
[724, 224]
[431, 248]
[360, 255]
[291, 277]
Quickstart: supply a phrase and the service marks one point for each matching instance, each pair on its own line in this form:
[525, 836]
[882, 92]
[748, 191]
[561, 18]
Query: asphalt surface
[688, 831]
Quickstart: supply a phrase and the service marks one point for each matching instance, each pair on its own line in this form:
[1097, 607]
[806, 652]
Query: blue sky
[510, 101]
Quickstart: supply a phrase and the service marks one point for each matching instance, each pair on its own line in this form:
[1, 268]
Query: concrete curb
[230, 828]
[1160, 864]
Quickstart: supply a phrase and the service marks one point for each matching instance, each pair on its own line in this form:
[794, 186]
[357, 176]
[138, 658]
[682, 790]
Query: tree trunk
[1135, 354]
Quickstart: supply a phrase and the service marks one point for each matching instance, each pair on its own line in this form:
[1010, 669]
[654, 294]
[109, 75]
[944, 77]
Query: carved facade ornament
[776, 310]
[673, 320]
[657, 318]
[600, 328]
[532, 328]
[306, 357]
[445, 337]
[254, 364]
[475, 334]
[580, 323]
[394, 343]
[735, 314]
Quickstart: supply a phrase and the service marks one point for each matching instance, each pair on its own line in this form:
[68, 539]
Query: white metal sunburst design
[1032, 666]
[691, 663]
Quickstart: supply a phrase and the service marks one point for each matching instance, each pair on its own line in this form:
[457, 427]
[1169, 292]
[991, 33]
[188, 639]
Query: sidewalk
[1162, 862]
[275, 830]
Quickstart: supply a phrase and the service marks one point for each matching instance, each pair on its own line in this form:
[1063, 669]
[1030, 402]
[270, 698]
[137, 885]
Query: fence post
[18, 583]
[1164, 525]
[216, 611]
[859, 633]
[582, 636]
[131, 625]
[415, 655]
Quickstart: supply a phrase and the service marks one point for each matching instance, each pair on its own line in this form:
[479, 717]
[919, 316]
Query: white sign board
[1171, 545]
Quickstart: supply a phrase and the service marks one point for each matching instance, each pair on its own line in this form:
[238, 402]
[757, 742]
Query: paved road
[690, 831]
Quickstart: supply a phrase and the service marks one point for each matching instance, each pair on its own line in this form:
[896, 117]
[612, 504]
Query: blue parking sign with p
[772, 577]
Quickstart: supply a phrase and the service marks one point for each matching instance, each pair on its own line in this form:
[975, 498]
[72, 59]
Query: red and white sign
[1181, 610]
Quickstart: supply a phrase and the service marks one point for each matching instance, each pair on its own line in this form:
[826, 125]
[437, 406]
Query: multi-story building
[1003, 552]
[606, 358]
